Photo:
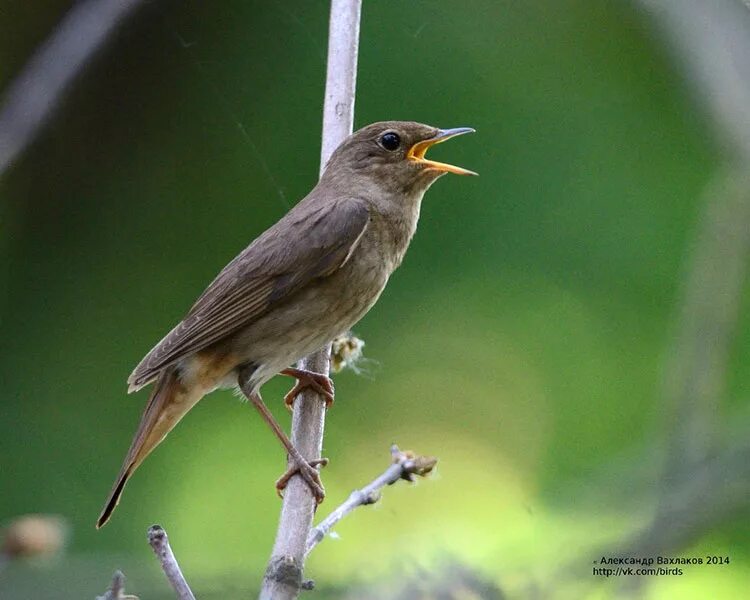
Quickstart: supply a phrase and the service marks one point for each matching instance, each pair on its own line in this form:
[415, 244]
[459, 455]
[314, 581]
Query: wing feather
[311, 241]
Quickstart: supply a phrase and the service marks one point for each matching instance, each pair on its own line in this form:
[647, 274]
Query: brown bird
[304, 281]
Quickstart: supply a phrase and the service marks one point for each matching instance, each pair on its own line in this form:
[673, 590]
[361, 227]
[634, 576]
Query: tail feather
[169, 402]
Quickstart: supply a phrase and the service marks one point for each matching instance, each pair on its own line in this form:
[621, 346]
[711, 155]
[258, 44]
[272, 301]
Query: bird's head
[391, 155]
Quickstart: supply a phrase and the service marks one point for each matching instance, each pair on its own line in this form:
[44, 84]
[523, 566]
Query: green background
[522, 341]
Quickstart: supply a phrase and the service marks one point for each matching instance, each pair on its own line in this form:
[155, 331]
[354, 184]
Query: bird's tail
[169, 402]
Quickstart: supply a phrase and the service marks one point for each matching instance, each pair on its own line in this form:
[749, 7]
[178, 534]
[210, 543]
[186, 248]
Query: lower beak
[418, 150]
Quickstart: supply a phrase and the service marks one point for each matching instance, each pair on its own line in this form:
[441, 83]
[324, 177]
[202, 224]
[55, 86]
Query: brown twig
[159, 542]
[283, 577]
[34, 93]
[405, 465]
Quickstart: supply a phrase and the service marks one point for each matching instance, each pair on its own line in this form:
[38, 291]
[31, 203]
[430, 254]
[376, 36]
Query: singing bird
[307, 279]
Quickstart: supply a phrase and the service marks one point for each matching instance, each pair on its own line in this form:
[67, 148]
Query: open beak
[418, 150]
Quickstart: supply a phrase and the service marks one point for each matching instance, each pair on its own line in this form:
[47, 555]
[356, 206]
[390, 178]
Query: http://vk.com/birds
[307, 279]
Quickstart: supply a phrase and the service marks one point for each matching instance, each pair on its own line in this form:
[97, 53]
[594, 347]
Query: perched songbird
[304, 281]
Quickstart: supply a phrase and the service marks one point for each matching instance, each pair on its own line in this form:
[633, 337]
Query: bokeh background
[525, 341]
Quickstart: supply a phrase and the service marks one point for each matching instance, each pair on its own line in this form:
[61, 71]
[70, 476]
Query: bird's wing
[305, 245]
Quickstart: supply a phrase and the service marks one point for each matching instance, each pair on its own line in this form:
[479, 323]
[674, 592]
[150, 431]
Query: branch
[116, 589]
[405, 466]
[159, 542]
[283, 577]
[32, 96]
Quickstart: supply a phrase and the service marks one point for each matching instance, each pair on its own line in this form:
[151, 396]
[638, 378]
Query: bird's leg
[317, 381]
[300, 465]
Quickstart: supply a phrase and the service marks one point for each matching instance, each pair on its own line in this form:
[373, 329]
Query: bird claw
[317, 381]
[308, 472]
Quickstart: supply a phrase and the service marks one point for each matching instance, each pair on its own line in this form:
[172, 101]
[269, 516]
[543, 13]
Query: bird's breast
[389, 233]
[329, 306]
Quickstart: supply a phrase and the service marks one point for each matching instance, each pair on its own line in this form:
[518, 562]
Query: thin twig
[159, 542]
[405, 466]
[283, 577]
[35, 92]
[116, 589]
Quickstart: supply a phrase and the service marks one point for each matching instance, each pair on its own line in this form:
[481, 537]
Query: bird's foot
[317, 381]
[308, 472]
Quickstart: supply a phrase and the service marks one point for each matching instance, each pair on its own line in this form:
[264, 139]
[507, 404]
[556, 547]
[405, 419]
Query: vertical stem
[341, 76]
[283, 578]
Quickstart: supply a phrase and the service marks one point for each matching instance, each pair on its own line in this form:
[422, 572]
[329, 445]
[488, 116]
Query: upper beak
[418, 150]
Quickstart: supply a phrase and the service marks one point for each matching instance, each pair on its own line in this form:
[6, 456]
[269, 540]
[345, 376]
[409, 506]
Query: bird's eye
[390, 141]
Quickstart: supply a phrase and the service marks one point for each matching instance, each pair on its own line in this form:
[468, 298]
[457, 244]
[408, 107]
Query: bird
[301, 283]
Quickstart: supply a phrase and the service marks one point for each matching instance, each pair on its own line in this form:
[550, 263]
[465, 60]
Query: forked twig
[116, 589]
[405, 465]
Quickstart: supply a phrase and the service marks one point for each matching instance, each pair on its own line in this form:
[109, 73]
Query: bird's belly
[308, 320]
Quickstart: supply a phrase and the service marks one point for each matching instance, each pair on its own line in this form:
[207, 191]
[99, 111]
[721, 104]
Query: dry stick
[159, 542]
[34, 93]
[283, 577]
[116, 589]
[405, 466]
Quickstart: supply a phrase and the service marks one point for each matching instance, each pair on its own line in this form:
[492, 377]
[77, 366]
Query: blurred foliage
[521, 341]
